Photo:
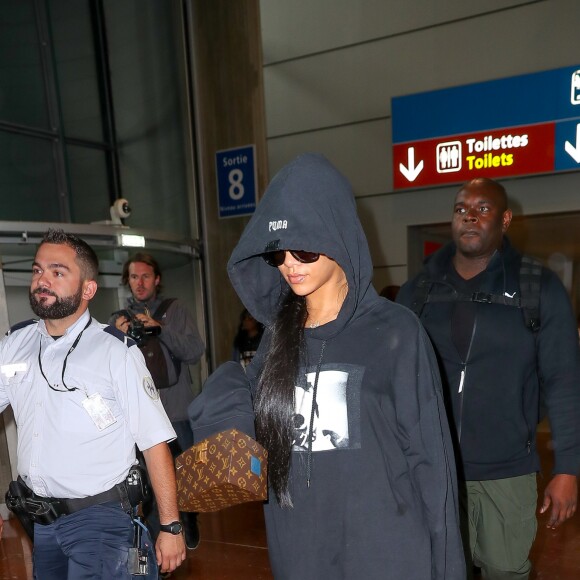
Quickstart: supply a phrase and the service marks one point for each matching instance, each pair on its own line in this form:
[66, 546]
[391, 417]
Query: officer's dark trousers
[91, 544]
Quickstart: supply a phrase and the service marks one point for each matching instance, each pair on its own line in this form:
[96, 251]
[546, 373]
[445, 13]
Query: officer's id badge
[11, 369]
[99, 411]
[150, 388]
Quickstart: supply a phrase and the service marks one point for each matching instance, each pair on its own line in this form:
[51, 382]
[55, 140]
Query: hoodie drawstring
[312, 411]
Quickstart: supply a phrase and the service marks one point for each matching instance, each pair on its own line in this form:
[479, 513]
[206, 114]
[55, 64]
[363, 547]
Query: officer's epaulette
[22, 324]
[114, 331]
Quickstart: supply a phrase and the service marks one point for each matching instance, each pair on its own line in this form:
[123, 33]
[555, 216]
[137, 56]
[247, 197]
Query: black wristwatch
[174, 528]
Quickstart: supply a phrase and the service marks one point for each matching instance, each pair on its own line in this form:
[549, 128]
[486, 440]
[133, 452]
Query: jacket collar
[438, 263]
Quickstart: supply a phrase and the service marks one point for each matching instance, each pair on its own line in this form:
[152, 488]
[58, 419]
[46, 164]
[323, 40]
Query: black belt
[64, 506]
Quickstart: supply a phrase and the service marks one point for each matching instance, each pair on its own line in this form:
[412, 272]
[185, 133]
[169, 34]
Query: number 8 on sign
[236, 181]
[236, 189]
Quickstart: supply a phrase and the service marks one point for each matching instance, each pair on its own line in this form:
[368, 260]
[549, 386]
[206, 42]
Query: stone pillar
[228, 103]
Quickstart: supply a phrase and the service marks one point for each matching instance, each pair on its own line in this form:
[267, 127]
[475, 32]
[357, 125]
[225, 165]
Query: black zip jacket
[494, 389]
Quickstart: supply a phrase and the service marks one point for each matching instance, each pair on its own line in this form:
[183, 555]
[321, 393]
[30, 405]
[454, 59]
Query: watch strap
[174, 528]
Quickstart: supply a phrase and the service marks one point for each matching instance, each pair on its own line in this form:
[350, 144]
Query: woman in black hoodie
[347, 396]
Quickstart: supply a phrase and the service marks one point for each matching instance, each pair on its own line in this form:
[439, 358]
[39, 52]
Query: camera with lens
[139, 332]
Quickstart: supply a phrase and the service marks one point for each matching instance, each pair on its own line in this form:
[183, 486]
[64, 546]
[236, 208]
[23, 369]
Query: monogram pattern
[223, 470]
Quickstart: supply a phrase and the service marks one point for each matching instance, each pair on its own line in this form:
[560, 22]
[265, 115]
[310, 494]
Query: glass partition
[22, 88]
[28, 186]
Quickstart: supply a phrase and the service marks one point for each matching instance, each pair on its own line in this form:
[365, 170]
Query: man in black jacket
[493, 366]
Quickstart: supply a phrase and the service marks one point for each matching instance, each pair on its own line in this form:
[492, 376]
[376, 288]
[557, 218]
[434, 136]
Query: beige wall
[319, 75]
[332, 66]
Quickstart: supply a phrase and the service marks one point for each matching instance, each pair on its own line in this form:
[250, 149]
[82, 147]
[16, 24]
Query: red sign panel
[495, 154]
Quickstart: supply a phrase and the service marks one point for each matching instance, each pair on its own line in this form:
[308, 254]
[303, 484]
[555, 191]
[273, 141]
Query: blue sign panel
[542, 97]
[236, 181]
[514, 126]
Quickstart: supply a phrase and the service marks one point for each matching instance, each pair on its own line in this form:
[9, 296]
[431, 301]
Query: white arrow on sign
[411, 171]
[574, 151]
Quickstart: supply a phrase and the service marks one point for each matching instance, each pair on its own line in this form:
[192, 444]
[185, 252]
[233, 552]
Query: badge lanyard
[74, 345]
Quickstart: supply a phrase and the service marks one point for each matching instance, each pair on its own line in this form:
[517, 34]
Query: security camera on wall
[120, 210]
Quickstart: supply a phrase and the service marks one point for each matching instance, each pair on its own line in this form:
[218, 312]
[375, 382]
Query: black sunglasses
[277, 258]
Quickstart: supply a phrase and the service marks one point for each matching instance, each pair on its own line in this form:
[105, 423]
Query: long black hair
[274, 404]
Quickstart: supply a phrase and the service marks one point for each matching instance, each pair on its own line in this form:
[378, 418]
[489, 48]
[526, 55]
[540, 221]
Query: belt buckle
[481, 297]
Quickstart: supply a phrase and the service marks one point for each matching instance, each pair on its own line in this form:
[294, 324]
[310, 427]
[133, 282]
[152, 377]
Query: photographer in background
[247, 339]
[175, 328]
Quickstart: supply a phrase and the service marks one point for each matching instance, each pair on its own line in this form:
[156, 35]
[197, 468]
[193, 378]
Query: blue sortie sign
[236, 181]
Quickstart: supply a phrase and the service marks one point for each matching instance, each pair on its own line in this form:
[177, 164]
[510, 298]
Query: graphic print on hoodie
[336, 411]
[376, 497]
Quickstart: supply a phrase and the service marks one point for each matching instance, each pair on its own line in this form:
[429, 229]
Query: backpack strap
[158, 315]
[530, 275]
[421, 293]
[162, 308]
[481, 297]
[530, 288]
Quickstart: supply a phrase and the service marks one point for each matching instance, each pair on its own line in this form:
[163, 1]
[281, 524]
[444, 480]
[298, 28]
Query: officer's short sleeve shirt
[77, 429]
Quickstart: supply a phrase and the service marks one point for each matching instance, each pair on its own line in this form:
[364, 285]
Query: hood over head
[309, 205]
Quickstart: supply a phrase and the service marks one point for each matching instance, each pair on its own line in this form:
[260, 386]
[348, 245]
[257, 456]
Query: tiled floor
[233, 545]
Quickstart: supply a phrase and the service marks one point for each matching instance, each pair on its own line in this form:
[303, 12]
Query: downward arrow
[574, 151]
[411, 171]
